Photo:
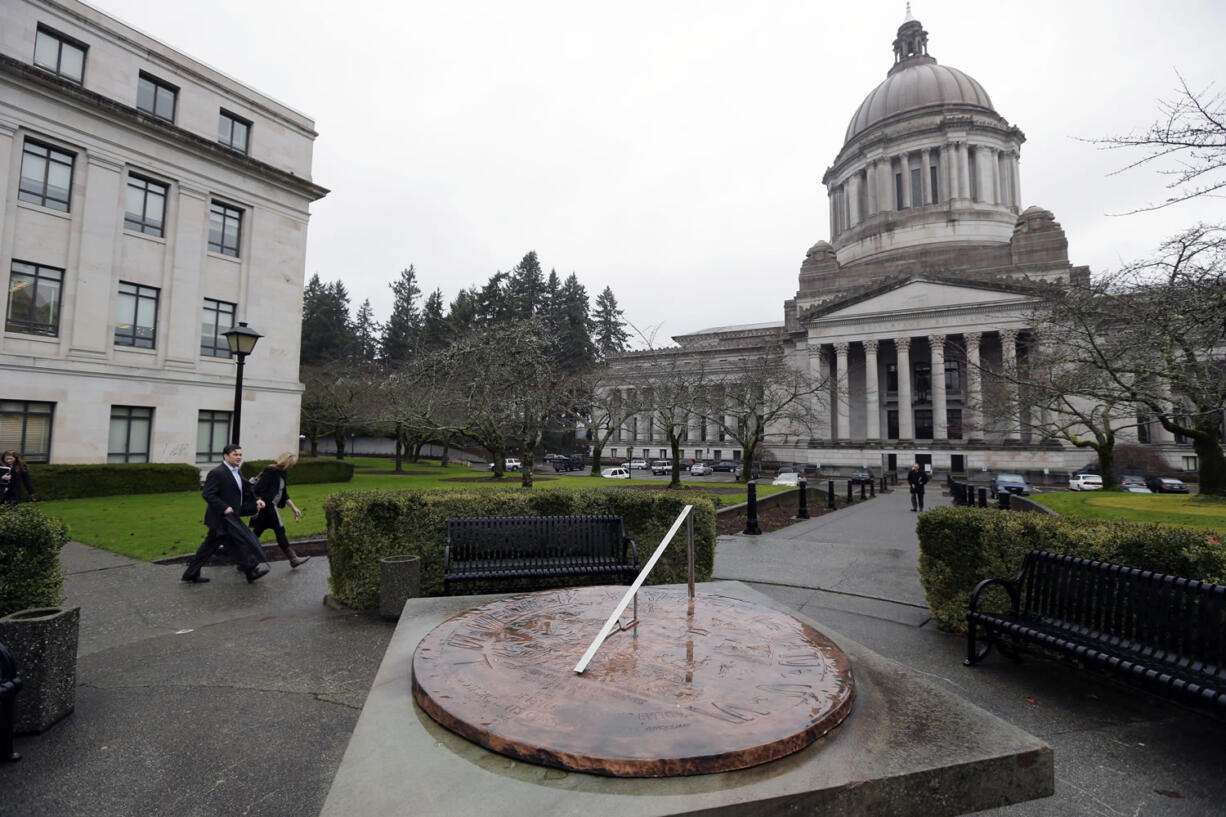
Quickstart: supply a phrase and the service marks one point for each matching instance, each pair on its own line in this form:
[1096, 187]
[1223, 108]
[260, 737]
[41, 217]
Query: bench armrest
[634, 549]
[1010, 586]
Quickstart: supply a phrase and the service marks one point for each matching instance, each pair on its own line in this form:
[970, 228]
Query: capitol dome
[921, 83]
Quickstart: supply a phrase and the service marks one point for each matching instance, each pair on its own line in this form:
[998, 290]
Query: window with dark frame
[212, 434]
[233, 131]
[933, 177]
[891, 424]
[923, 424]
[34, 299]
[130, 431]
[891, 378]
[953, 377]
[136, 316]
[225, 228]
[46, 176]
[25, 427]
[953, 423]
[145, 206]
[156, 97]
[218, 318]
[60, 54]
[917, 190]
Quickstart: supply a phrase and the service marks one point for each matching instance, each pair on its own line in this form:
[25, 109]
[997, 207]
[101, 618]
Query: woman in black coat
[271, 487]
[14, 479]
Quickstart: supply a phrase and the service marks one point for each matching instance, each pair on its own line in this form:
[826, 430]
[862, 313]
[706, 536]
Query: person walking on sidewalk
[227, 495]
[272, 489]
[916, 480]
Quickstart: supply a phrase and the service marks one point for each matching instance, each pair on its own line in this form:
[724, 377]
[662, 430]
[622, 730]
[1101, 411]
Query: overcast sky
[672, 149]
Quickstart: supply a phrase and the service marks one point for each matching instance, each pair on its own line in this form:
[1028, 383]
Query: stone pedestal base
[44, 643]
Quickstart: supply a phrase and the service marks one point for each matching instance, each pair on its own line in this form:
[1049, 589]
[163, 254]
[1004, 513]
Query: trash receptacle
[399, 581]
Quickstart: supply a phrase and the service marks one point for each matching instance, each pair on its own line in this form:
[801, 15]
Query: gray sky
[672, 150]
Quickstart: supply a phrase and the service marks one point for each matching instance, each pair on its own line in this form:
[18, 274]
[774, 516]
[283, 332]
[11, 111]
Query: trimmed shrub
[30, 545]
[305, 471]
[365, 526]
[959, 547]
[112, 479]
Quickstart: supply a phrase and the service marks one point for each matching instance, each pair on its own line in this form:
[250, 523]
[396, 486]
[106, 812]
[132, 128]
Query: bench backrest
[508, 537]
[1183, 619]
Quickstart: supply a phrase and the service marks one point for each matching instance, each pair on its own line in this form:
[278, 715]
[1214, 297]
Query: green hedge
[76, 481]
[365, 526]
[306, 472]
[30, 544]
[959, 547]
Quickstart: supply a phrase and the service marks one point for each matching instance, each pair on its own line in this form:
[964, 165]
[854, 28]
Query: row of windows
[25, 426]
[34, 309]
[65, 57]
[46, 180]
[665, 454]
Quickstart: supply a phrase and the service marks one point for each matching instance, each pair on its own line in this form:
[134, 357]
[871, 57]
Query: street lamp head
[241, 339]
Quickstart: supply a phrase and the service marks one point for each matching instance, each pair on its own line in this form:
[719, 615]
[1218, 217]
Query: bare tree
[337, 402]
[605, 406]
[667, 387]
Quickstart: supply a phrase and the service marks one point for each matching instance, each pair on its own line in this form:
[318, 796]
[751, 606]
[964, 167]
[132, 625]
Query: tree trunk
[445, 460]
[1210, 462]
[675, 444]
[339, 439]
[399, 450]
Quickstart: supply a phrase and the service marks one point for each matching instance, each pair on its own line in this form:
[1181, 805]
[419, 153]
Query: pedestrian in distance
[226, 496]
[272, 489]
[916, 479]
[14, 477]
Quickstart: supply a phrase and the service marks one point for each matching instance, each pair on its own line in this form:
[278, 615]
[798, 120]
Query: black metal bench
[10, 685]
[1164, 632]
[487, 549]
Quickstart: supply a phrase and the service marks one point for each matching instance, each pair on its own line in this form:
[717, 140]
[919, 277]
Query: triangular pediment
[920, 294]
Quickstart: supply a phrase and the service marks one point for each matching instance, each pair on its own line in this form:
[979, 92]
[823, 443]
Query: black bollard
[751, 512]
[1003, 499]
[983, 497]
[850, 498]
[863, 495]
[884, 487]
[802, 512]
[872, 488]
[830, 495]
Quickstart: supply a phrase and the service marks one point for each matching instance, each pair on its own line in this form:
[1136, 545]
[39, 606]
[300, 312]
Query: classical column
[1015, 183]
[1008, 353]
[872, 403]
[842, 387]
[853, 204]
[904, 165]
[906, 415]
[940, 429]
[972, 421]
[871, 182]
[964, 172]
[817, 370]
[833, 206]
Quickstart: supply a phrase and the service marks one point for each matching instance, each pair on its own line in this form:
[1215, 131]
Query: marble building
[148, 202]
[925, 284]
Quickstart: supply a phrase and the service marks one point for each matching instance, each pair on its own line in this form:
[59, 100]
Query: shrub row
[959, 547]
[30, 544]
[306, 471]
[112, 479]
[365, 526]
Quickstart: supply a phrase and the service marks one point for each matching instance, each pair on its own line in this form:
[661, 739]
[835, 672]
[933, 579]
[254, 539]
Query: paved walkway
[231, 698]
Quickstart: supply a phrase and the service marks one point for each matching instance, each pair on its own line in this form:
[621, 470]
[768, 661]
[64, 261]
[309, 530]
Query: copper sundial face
[697, 686]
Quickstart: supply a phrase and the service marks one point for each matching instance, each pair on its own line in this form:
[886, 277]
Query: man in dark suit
[227, 495]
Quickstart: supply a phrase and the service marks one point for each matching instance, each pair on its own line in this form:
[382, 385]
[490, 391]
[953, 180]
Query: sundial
[699, 684]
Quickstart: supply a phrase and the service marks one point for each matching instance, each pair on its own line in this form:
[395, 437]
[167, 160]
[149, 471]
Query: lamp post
[241, 341]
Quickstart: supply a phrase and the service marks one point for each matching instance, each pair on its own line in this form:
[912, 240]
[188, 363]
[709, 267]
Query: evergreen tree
[570, 325]
[492, 302]
[525, 287]
[435, 330]
[366, 333]
[462, 314]
[402, 331]
[327, 334]
[611, 335]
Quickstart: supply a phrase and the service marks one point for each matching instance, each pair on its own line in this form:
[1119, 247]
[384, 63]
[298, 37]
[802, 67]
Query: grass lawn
[155, 526]
[1189, 510]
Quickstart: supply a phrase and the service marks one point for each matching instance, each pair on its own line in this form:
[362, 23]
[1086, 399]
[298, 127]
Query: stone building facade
[149, 202]
[927, 282]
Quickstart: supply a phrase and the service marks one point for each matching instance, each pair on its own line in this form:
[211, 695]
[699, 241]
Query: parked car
[620, 472]
[790, 479]
[1085, 482]
[1167, 485]
[785, 469]
[661, 467]
[509, 464]
[638, 465]
[563, 462]
[1015, 484]
[701, 469]
[686, 462]
[862, 478]
[724, 465]
[1134, 484]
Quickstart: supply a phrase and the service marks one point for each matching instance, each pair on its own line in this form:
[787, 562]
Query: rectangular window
[46, 176]
[898, 200]
[218, 318]
[953, 422]
[717, 454]
[233, 131]
[923, 424]
[891, 424]
[663, 453]
[917, 190]
[1143, 428]
[136, 316]
[155, 97]
[972, 167]
[145, 208]
[60, 54]
[25, 427]
[1190, 464]
[921, 378]
[34, 299]
[891, 378]
[953, 378]
[933, 184]
[130, 431]
[225, 228]
[212, 434]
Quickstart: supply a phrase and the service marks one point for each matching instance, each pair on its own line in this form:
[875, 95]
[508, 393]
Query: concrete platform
[907, 748]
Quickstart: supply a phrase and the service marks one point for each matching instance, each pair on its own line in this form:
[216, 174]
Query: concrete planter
[399, 581]
[44, 642]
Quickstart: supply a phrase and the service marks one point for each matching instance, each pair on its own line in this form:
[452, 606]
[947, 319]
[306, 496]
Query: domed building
[927, 281]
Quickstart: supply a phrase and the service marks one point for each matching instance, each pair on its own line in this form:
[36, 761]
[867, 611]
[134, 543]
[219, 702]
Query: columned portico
[842, 399]
[906, 419]
[936, 344]
[1008, 353]
[972, 419]
[872, 405]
